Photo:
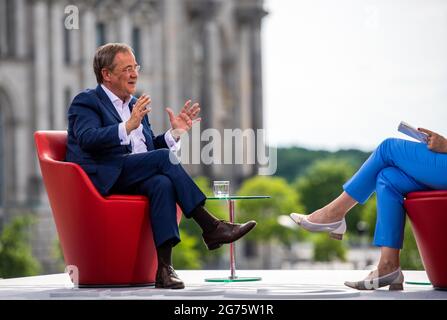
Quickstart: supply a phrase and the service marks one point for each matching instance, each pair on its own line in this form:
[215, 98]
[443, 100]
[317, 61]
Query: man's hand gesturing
[138, 112]
[184, 120]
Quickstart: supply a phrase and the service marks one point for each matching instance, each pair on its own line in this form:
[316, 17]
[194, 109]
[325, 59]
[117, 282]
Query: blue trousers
[156, 175]
[394, 169]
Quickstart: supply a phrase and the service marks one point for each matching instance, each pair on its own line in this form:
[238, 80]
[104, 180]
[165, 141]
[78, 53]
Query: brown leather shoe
[226, 232]
[167, 278]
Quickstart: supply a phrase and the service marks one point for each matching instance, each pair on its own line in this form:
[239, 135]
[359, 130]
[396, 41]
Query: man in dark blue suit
[110, 137]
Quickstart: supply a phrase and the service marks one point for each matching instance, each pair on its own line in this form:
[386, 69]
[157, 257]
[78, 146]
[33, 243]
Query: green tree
[58, 255]
[326, 249]
[266, 212]
[186, 256]
[192, 244]
[284, 200]
[16, 259]
[409, 256]
[322, 183]
[294, 161]
[368, 215]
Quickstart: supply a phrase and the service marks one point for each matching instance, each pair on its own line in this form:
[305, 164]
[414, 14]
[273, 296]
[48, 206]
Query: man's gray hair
[105, 55]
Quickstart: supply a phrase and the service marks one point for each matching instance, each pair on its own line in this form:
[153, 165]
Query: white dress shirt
[136, 137]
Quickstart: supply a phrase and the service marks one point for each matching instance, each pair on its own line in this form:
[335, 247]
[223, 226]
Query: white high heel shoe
[336, 229]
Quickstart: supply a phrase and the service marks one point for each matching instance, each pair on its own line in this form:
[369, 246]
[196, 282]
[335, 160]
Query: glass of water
[221, 189]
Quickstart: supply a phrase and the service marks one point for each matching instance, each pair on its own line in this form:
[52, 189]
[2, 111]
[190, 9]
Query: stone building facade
[206, 50]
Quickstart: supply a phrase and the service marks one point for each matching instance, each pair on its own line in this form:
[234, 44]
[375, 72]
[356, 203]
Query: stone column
[41, 74]
[109, 19]
[88, 45]
[256, 57]
[245, 92]
[249, 16]
[148, 17]
[204, 13]
[57, 63]
[213, 73]
[10, 25]
[148, 45]
[172, 49]
[9, 147]
[156, 64]
[41, 81]
[23, 148]
[3, 28]
[123, 22]
[75, 39]
[125, 28]
[145, 16]
[21, 28]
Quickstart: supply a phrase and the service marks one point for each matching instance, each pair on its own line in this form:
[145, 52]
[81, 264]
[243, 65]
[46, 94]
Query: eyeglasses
[131, 69]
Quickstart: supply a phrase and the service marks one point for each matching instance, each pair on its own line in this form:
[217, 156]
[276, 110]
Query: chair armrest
[427, 194]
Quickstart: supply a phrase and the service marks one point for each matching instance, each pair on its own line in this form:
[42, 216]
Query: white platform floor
[275, 284]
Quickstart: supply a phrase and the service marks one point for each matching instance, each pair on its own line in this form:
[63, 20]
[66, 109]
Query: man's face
[122, 80]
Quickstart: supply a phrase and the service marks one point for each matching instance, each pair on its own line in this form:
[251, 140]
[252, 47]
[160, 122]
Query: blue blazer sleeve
[160, 142]
[90, 125]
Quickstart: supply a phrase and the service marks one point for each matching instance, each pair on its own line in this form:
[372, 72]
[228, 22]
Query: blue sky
[342, 74]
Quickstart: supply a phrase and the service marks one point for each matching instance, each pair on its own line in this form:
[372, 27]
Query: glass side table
[233, 277]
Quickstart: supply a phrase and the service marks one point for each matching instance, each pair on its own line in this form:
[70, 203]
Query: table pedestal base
[235, 279]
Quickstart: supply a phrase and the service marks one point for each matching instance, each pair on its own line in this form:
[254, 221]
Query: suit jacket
[93, 140]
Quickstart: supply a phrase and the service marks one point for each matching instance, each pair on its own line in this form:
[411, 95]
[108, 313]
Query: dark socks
[205, 219]
[164, 253]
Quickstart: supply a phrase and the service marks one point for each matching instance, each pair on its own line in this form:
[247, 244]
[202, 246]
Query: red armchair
[109, 239]
[427, 211]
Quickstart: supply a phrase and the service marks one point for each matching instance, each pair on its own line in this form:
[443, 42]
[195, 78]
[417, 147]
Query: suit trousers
[158, 175]
[394, 169]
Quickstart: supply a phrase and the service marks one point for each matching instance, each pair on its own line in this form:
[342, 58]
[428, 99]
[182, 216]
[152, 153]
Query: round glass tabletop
[236, 279]
[238, 198]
